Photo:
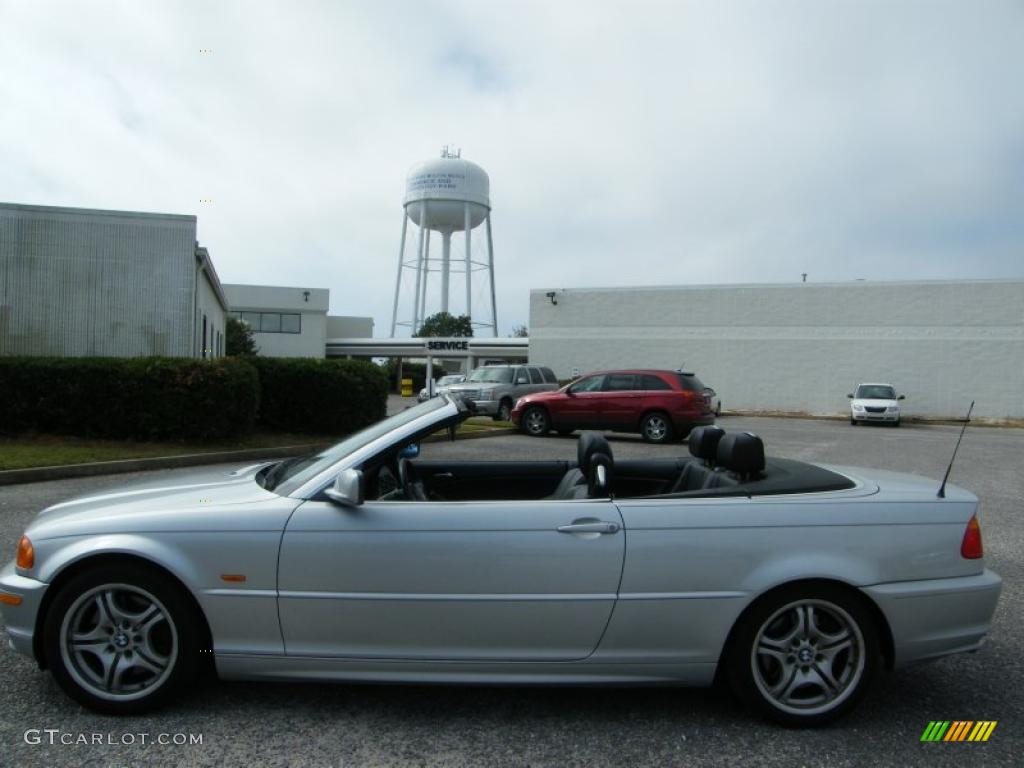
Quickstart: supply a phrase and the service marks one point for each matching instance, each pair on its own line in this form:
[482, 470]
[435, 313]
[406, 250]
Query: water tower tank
[444, 196]
[447, 184]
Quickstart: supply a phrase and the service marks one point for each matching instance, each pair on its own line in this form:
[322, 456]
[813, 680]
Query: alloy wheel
[808, 657]
[118, 642]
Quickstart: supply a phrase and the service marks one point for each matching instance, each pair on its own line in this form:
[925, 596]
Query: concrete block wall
[802, 347]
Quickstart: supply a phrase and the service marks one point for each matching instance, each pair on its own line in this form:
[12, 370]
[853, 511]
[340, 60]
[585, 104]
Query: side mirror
[347, 490]
[411, 451]
[850, 396]
[902, 397]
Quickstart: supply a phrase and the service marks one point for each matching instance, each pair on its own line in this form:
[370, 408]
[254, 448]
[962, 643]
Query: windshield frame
[368, 442]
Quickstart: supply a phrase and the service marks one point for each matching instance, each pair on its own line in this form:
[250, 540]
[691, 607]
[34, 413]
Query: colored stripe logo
[959, 730]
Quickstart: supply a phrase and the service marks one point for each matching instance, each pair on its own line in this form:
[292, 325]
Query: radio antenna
[942, 488]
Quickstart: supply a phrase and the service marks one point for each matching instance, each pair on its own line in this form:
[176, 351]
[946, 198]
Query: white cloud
[630, 143]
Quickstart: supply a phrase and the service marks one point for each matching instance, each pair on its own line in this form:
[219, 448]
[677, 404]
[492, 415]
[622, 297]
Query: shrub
[141, 398]
[320, 396]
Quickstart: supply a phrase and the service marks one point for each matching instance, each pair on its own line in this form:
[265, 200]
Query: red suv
[660, 405]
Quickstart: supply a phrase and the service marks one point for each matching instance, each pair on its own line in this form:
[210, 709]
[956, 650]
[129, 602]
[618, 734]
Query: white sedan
[875, 402]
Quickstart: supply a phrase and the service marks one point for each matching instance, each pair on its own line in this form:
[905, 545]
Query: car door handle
[598, 527]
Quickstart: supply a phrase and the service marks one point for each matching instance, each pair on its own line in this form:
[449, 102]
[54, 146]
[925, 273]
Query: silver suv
[494, 389]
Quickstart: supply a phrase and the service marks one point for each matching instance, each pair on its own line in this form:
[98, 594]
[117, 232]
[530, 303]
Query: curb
[90, 469]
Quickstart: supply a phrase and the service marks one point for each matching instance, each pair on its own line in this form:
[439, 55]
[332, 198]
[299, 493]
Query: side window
[650, 382]
[535, 377]
[518, 374]
[549, 376]
[589, 384]
[619, 382]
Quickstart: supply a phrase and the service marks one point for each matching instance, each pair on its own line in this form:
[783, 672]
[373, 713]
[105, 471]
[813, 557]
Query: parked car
[875, 402]
[440, 386]
[494, 389]
[660, 405]
[362, 563]
[714, 401]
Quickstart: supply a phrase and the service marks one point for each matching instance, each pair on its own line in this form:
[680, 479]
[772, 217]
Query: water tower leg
[469, 265]
[398, 280]
[419, 270]
[446, 257]
[426, 274]
[490, 263]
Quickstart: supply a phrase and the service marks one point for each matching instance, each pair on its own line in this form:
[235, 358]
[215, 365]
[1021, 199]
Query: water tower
[446, 195]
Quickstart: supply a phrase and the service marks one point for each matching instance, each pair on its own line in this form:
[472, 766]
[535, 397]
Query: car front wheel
[504, 411]
[121, 640]
[805, 655]
[656, 428]
[536, 422]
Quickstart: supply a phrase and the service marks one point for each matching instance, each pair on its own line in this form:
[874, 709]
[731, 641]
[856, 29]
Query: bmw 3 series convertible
[792, 582]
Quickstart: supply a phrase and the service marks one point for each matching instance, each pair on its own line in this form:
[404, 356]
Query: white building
[291, 322]
[81, 282]
[802, 347]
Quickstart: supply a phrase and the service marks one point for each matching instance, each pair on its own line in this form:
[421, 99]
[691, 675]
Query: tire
[139, 639]
[656, 427]
[896, 423]
[853, 422]
[535, 421]
[775, 661]
[504, 411]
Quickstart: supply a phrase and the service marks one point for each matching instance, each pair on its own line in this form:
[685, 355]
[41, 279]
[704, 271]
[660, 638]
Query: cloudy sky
[628, 143]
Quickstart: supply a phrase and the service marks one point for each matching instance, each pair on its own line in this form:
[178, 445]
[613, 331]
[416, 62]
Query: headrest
[704, 442]
[599, 478]
[742, 453]
[589, 444]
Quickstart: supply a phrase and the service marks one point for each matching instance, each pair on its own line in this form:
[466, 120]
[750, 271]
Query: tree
[238, 341]
[444, 324]
[520, 332]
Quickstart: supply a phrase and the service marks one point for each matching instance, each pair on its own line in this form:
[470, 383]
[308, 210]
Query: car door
[532, 580]
[581, 406]
[620, 402]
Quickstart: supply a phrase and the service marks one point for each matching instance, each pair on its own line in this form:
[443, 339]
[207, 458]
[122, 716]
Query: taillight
[970, 548]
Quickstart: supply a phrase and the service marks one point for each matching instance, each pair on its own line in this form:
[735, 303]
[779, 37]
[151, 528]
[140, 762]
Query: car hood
[553, 394]
[184, 501]
[874, 402]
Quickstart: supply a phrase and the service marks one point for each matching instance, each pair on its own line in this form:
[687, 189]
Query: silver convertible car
[793, 582]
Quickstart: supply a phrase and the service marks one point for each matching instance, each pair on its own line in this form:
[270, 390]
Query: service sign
[440, 345]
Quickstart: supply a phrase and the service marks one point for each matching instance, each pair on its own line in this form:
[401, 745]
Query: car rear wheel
[121, 640]
[804, 655]
[535, 421]
[656, 428]
[504, 411]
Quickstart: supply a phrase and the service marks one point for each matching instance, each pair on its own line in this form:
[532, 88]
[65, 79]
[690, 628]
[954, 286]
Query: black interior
[721, 465]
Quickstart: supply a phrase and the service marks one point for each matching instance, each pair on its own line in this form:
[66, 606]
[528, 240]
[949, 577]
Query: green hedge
[140, 398]
[333, 397]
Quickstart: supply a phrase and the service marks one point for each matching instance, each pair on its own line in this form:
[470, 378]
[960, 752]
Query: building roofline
[797, 284]
[97, 212]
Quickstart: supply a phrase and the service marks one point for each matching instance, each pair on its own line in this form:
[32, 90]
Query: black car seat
[574, 484]
[740, 458]
[704, 448]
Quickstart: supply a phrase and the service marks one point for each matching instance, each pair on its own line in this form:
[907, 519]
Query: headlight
[858, 407]
[894, 409]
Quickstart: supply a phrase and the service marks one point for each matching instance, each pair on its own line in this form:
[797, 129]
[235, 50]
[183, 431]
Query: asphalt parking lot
[340, 725]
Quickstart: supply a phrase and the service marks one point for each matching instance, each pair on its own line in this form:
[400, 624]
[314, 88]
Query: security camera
[551, 295]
